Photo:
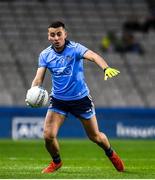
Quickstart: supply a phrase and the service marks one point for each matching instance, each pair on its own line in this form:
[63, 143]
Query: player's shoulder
[72, 44]
[46, 51]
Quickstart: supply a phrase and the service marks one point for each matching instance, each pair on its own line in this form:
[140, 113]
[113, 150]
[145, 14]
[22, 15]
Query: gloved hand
[110, 72]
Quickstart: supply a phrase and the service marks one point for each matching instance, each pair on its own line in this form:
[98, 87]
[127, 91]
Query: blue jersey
[66, 67]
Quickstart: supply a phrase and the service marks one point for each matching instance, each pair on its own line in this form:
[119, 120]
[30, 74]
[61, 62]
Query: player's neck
[61, 49]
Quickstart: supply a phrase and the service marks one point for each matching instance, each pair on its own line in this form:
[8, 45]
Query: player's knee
[48, 135]
[98, 137]
[95, 137]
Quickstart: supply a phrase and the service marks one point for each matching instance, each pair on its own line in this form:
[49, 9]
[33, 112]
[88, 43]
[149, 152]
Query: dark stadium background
[23, 35]
[125, 105]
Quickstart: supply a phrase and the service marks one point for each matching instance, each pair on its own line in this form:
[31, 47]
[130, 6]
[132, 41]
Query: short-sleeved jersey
[66, 67]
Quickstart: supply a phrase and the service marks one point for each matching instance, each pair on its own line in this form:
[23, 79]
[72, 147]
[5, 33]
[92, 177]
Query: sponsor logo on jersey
[63, 71]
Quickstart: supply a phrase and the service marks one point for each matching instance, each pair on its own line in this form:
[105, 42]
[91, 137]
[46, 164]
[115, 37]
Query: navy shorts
[81, 108]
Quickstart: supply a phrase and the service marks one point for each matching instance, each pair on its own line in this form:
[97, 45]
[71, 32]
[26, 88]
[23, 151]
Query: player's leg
[52, 123]
[91, 128]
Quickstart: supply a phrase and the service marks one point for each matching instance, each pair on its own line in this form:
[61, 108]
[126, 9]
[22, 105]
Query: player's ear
[66, 34]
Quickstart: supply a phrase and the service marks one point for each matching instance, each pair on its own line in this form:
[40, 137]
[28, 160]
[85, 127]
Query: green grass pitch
[82, 159]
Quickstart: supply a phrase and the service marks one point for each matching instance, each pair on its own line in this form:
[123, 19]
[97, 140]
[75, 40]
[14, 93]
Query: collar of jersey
[59, 52]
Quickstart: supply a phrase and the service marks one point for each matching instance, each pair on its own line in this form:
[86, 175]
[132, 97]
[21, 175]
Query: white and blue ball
[37, 96]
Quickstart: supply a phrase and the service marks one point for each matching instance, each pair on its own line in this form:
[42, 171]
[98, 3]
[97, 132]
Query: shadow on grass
[138, 174]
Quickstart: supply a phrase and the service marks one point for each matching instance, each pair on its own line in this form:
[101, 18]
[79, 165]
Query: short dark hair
[56, 24]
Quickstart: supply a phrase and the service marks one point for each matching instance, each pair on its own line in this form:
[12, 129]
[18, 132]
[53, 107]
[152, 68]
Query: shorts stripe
[58, 111]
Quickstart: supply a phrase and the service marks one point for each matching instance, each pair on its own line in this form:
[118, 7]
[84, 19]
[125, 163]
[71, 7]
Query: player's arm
[37, 81]
[39, 77]
[92, 56]
[108, 72]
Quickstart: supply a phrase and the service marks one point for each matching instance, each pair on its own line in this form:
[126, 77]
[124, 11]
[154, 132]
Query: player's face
[57, 37]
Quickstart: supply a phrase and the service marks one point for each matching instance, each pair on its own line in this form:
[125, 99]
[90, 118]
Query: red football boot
[52, 167]
[117, 162]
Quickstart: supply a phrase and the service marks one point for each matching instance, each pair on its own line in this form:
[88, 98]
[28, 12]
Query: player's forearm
[36, 82]
[39, 77]
[92, 56]
[100, 62]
